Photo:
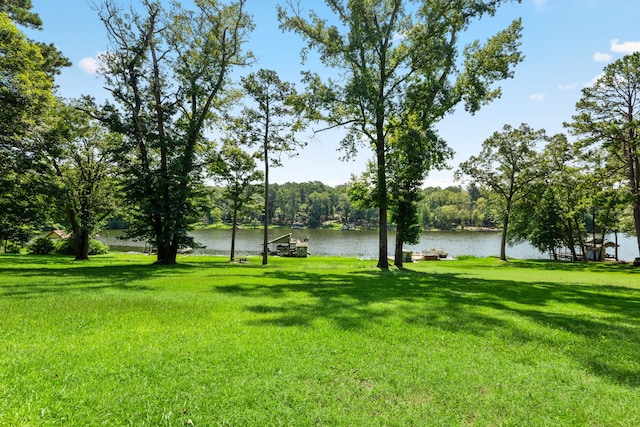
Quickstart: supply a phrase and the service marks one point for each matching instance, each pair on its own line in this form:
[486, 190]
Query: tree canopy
[168, 73]
[399, 58]
[608, 118]
[510, 166]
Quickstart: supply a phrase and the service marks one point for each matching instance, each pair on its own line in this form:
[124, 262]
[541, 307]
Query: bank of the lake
[357, 243]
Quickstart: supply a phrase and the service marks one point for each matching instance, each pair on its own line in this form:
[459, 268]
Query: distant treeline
[315, 205]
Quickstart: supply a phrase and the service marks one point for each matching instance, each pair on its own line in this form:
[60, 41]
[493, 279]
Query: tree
[608, 119]
[320, 208]
[546, 218]
[508, 165]
[80, 153]
[236, 169]
[412, 154]
[27, 71]
[168, 72]
[398, 58]
[272, 123]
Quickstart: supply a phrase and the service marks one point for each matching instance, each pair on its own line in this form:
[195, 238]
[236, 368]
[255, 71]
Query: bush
[65, 247]
[96, 247]
[41, 246]
[12, 248]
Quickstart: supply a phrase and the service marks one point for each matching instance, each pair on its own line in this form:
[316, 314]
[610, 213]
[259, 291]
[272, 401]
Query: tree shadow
[42, 280]
[589, 266]
[457, 303]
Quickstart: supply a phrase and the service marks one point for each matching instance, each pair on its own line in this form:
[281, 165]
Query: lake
[358, 243]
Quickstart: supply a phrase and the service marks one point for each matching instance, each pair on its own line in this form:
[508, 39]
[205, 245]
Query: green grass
[319, 341]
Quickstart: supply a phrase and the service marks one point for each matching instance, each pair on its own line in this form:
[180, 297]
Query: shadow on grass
[598, 324]
[58, 275]
[594, 267]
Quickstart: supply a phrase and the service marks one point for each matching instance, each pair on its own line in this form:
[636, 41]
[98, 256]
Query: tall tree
[547, 219]
[270, 120]
[608, 119]
[27, 71]
[398, 57]
[236, 170]
[509, 165]
[168, 72]
[80, 153]
[412, 154]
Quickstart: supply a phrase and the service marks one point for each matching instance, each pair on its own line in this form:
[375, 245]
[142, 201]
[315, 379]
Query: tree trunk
[167, 251]
[265, 236]
[81, 243]
[234, 226]
[571, 241]
[383, 261]
[636, 218]
[80, 237]
[580, 241]
[397, 258]
[633, 168]
[503, 239]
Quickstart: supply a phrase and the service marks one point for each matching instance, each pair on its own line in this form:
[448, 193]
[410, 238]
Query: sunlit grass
[317, 341]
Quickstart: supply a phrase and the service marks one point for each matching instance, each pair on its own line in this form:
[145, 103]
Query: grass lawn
[116, 341]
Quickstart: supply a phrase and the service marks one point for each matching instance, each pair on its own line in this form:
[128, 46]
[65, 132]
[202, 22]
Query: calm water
[359, 243]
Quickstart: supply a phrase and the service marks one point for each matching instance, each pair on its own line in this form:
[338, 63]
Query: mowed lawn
[117, 341]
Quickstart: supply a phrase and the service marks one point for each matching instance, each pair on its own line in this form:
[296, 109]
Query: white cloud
[602, 57]
[568, 86]
[594, 80]
[540, 3]
[90, 65]
[624, 47]
[537, 97]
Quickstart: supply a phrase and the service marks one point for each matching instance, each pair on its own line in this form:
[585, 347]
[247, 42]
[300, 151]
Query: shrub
[96, 247]
[12, 248]
[41, 246]
[65, 247]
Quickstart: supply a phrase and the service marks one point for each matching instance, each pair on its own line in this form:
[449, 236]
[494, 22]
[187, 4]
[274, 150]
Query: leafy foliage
[20, 12]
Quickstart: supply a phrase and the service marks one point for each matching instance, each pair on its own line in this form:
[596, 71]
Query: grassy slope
[317, 341]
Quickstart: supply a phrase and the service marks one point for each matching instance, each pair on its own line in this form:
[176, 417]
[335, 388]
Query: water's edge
[355, 243]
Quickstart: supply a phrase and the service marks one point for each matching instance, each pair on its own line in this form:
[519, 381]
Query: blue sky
[566, 44]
